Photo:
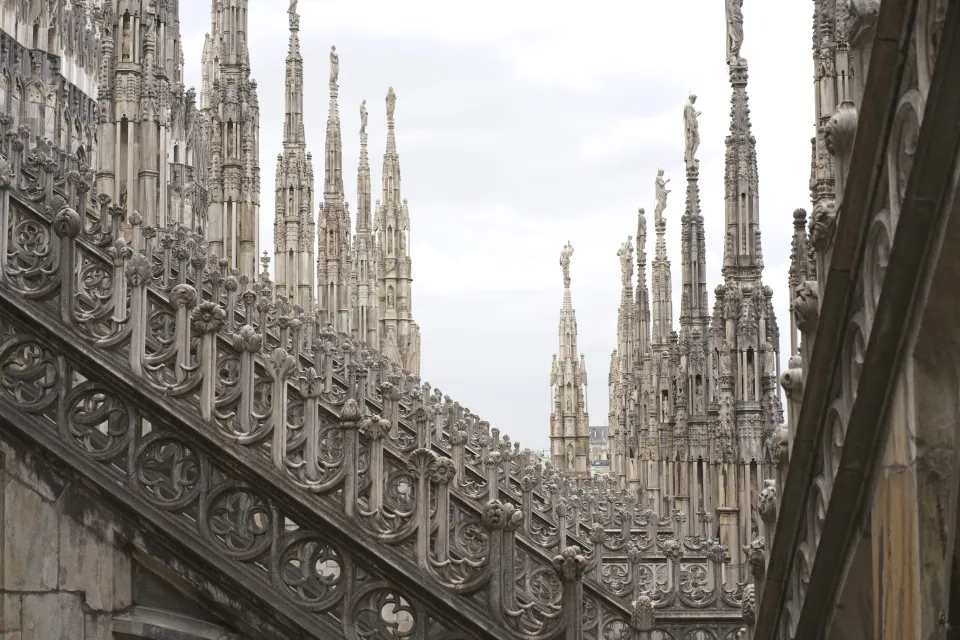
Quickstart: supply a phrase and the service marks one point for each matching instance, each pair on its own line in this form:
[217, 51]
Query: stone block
[11, 613]
[98, 626]
[31, 548]
[52, 616]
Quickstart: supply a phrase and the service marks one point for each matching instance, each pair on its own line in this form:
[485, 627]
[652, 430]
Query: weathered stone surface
[93, 567]
[98, 626]
[25, 467]
[52, 616]
[31, 548]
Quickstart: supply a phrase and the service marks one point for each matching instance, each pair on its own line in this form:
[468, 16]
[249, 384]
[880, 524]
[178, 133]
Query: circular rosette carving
[97, 421]
[311, 571]
[29, 375]
[238, 521]
[168, 472]
[471, 538]
[95, 286]
[617, 629]
[30, 256]
[545, 587]
[381, 612]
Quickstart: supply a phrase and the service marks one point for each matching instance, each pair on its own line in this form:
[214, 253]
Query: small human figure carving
[334, 65]
[565, 262]
[126, 39]
[662, 191]
[363, 118]
[734, 29]
[391, 103]
[691, 129]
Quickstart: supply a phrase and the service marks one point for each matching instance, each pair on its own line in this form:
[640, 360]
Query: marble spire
[294, 227]
[662, 287]
[569, 421]
[643, 292]
[742, 252]
[399, 334]
[694, 303]
[334, 273]
[364, 277]
[231, 109]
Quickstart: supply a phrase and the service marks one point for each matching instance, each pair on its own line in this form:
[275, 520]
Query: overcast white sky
[523, 124]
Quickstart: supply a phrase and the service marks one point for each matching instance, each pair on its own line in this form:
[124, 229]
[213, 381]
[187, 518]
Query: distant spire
[643, 293]
[662, 286]
[363, 175]
[391, 160]
[293, 124]
[694, 302]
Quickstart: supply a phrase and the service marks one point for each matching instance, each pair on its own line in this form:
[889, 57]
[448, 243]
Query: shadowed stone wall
[64, 571]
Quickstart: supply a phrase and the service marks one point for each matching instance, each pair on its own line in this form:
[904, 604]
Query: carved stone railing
[336, 425]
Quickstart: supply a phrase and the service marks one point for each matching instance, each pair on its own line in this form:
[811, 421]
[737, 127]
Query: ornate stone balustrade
[330, 426]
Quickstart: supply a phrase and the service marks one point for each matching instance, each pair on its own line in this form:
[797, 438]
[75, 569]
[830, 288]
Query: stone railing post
[208, 320]
[66, 225]
[350, 421]
[441, 477]
[570, 565]
[422, 464]
[246, 342]
[376, 429]
[311, 387]
[138, 272]
[184, 298]
[280, 366]
[7, 178]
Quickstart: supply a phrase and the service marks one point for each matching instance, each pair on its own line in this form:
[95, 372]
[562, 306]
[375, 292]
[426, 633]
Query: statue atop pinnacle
[734, 10]
[662, 191]
[691, 131]
[334, 65]
[565, 262]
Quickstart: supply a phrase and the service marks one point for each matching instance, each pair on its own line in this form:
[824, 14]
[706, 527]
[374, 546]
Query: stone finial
[643, 616]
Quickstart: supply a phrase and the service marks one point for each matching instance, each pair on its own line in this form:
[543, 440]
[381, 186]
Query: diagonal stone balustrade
[302, 464]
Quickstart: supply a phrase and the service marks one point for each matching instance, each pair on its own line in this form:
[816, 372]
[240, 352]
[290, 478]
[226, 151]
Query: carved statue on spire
[641, 227]
[734, 29]
[625, 253]
[294, 17]
[334, 65]
[565, 262]
[391, 103]
[662, 191]
[363, 118]
[691, 130]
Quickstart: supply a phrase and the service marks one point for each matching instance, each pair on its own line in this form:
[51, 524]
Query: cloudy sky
[524, 124]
